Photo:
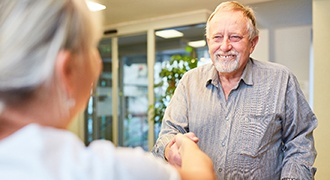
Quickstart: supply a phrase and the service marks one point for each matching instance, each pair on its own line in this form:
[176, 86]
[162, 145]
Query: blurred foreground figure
[48, 64]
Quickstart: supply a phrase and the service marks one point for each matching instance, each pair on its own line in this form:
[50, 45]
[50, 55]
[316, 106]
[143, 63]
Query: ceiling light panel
[197, 44]
[171, 33]
[93, 6]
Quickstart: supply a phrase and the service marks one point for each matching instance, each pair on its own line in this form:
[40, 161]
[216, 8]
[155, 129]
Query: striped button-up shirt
[264, 130]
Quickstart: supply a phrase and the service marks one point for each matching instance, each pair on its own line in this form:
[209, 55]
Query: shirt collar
[212, 77]
[247, 76]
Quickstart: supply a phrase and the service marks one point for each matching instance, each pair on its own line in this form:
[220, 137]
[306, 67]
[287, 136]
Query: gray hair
[235, 6]
[32, 32]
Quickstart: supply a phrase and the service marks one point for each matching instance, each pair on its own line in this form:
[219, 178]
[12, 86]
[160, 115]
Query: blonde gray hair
[32, 32]
[235, 6]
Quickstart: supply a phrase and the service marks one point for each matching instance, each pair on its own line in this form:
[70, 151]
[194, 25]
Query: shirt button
[227, 118]
[220, 169]
[223, 144]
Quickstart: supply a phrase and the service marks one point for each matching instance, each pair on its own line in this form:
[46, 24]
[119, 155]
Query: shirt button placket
[223, 143]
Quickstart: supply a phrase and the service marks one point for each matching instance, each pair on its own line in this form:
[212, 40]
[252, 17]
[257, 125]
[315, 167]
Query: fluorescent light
[171, 33]
[197, 44]
[93, 6]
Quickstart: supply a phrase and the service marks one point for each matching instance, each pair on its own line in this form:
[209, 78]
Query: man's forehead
[229, 18]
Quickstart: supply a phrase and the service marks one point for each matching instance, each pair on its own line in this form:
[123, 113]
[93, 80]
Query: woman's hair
[32, 32]
[235, 6]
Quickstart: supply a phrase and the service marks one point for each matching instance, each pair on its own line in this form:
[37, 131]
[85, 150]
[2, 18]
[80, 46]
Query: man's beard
[226, 65]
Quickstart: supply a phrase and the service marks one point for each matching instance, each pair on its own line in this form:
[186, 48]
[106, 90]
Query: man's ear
[254, 42]
[64, 70]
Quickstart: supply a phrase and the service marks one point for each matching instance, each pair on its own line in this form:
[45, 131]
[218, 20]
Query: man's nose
[225, 44]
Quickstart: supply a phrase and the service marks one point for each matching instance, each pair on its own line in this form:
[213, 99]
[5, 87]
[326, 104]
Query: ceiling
[268, 12]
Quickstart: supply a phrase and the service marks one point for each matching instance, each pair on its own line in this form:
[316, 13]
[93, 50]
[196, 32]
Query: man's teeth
[227, 56]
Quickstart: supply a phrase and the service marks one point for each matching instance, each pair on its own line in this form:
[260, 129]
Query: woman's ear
[64, 68]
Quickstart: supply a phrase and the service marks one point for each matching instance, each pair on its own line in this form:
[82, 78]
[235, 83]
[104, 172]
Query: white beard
[225, 66]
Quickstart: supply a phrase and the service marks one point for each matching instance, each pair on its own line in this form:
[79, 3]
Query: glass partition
[132, 71]
[98, 114]
[133, 88]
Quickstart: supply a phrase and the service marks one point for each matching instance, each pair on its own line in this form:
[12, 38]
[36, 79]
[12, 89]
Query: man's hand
[172, 153]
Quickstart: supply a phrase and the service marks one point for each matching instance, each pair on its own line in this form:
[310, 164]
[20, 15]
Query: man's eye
[217, 38]
[235, 38]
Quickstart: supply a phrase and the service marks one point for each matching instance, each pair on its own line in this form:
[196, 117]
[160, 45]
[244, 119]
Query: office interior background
[294, 33]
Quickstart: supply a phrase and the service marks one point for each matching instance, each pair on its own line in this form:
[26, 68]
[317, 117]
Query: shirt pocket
[258, 133]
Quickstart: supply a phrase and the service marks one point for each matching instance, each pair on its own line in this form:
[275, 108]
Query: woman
[48, 64]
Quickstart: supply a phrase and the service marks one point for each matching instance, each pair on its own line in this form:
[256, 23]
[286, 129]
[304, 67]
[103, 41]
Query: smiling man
[249, 116]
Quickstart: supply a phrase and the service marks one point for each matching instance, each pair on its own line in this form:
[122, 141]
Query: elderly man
[250, 117]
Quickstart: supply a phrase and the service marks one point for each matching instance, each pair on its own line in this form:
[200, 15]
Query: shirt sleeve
[175, 120]
[129, 163]
[298, 126]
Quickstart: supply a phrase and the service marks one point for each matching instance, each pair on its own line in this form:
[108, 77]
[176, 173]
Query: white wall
[292, 48]
[321, 40]
[261, 51]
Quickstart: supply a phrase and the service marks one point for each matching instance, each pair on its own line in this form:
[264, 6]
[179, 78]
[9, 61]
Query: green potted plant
[170, 74]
